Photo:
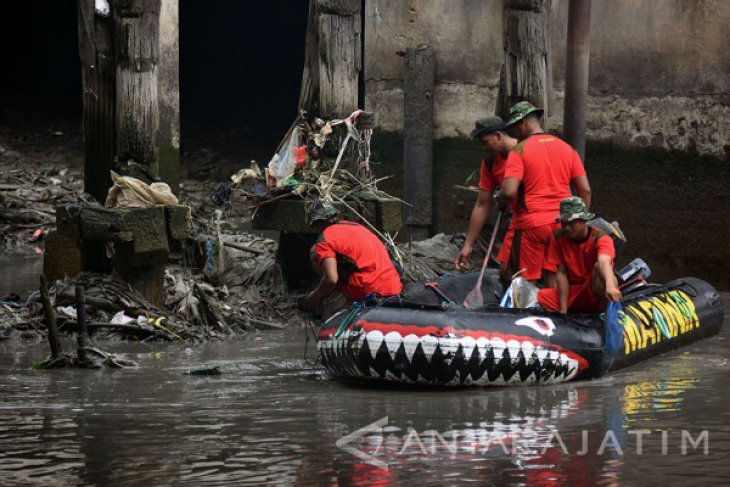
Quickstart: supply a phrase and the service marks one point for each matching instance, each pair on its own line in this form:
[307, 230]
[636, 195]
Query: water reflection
[272, 420]
[19, 272]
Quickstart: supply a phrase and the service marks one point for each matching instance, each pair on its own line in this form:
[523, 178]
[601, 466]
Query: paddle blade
[475, 299]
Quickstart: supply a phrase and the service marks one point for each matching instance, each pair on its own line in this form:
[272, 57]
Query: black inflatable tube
[418, 343]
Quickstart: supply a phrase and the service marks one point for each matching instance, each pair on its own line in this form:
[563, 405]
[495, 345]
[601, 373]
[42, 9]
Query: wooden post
[136, 25]
[82, 334]
[332, 59]
[418, 141]
[525, 70]
[98, 77]
[131, 100]
[50, 313]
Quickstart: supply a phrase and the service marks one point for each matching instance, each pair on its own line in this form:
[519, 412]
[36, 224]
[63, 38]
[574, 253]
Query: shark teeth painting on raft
[446, 360]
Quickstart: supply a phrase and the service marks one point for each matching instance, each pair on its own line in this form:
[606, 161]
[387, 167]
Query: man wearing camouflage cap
[492, 132]
[348, 257]
[539, 173]
[583, 257]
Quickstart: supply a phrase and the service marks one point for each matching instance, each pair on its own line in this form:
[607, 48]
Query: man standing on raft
[492, 133]
[583, 257]
[539, 173]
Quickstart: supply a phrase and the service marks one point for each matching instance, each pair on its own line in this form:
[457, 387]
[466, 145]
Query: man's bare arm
[582, 189]
[605, 267]
[327, 283]
[510, 187]
[563, 288]
[479, 216]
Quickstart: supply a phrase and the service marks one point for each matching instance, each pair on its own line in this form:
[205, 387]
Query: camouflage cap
[520, 110]
[487, 125]
[574, 208]
[320, 209]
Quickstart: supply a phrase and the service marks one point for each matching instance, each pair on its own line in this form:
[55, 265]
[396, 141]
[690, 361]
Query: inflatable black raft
[419, 339]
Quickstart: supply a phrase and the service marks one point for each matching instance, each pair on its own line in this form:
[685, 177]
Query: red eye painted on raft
[542, 325]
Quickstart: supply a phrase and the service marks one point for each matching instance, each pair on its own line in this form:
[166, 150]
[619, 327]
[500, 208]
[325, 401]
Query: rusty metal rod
[576, 74]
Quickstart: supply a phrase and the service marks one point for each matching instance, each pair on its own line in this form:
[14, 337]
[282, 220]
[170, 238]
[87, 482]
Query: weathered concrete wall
[467, 40]
[659, 72]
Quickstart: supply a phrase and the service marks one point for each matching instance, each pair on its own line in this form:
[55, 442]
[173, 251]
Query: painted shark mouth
[450, 359]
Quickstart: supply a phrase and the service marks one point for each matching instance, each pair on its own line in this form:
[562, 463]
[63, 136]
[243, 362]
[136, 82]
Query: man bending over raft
[348, 257]
[539, 173]
[492, 132]
[584, 259]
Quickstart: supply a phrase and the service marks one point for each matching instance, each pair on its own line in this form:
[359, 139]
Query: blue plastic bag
[613, 330]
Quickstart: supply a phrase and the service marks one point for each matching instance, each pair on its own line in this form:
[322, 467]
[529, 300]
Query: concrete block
[177, 222]
[105, 225]
[68, 221]
[150, 233]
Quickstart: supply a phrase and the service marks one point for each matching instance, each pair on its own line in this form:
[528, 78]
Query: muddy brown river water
[272, 419]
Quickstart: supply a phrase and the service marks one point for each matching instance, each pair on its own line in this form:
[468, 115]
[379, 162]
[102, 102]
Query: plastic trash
[506, 301]
[129, 192]
[523, 293]
[300, 155]
[252, 172]
[121, 319]
[283, 162]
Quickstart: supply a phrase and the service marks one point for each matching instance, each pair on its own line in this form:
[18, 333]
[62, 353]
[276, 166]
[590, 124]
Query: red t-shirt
[360, 254]
[579, 258]
[490, 180]
[545, 165]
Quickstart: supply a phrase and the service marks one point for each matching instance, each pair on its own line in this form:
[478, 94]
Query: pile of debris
[317, 158]
[238, 287]
[221, 280]
[28, 198]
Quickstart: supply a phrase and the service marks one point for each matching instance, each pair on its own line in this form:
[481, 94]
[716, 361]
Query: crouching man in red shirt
[348, 257]
[584, 258]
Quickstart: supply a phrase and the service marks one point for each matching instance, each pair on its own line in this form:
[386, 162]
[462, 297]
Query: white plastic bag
[282, 164]
[523, 293]
[128, 192]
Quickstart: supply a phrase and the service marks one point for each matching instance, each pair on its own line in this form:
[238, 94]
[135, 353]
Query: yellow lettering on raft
[672, 311]
[641, 329]
[648, 331]
[631, 333]
[695, 321]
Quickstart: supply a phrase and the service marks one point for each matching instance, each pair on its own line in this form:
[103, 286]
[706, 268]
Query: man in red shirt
[584, 259]
[491, 131]
[349, 258]
[538, 175]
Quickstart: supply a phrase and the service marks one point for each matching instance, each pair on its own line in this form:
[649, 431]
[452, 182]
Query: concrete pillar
[98, 76]
[525, 72]
[418, 84]
[129, 57]
[333, 58]
[168, 83]
[576, 74]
